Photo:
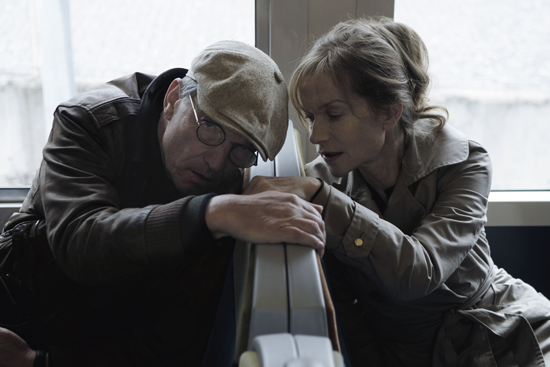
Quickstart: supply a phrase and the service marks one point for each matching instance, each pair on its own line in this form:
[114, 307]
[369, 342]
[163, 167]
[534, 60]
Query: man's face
[195, 168]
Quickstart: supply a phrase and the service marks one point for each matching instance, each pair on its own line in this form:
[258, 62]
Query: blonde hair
[381, 60]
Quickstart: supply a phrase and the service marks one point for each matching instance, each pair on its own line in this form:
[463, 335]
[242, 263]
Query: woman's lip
[331, 156]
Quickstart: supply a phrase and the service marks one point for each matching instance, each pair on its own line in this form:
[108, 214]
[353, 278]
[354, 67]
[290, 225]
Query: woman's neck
[382, 173]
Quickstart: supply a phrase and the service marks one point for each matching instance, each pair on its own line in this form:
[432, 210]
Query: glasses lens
[243, 157]
[210, 133]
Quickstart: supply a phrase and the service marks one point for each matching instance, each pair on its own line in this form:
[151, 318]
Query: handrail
[288, 316]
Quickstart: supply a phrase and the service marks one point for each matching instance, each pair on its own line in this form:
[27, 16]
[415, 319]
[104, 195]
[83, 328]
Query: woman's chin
[338, 171]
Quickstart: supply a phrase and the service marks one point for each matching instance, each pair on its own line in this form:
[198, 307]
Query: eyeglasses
[212, 134]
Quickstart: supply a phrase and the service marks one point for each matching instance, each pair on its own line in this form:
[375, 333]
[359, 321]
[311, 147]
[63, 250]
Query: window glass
[490, 68]
[108, 39]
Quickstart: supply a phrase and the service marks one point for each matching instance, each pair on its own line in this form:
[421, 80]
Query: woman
[405, 200]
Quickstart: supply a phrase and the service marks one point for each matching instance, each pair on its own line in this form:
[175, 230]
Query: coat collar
[145, 180]
[423, 156]
[426, 154]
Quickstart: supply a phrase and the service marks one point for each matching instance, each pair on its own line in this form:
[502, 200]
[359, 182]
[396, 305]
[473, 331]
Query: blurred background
[489, 62]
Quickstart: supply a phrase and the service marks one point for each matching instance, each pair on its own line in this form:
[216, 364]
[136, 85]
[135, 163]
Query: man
[134, 205]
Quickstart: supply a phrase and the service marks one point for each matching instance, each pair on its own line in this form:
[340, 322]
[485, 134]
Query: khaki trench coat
[414, 284]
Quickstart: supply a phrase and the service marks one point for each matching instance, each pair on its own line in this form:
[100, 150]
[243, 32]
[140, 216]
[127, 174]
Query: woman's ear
[393, 115]
[172, 95]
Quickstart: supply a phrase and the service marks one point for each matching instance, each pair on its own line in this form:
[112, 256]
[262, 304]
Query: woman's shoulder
[318, 168]
[458, 145]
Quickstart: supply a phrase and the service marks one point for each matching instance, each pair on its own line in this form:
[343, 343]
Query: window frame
[283, 21]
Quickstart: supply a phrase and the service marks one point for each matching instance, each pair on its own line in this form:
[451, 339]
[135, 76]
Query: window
[489, 60]
[105, 39]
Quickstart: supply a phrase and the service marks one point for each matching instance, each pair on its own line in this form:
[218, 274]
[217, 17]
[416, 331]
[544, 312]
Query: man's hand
[14, 351]
[303, 187]
[268, 217]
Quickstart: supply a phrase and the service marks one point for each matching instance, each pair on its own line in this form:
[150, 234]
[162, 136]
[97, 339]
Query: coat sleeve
[411, 266]
[93, 240]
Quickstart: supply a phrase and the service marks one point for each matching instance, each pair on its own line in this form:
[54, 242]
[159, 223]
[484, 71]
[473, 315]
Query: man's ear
[392, 116]
[172, 95]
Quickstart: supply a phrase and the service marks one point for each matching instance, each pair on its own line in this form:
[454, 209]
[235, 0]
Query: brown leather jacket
[116, 225]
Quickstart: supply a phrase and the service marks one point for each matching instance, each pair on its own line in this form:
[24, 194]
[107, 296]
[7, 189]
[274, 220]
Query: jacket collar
[426, 154]
[144, 130]
[423, 155]
[145, 180]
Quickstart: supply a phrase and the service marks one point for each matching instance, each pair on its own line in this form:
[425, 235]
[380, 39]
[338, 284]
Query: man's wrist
[215, 217]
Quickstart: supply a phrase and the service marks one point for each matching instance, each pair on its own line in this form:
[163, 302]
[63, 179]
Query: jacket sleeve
[411, 266]
[92, 239]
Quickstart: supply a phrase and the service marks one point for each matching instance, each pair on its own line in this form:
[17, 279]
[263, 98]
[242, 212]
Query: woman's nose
[318, 132]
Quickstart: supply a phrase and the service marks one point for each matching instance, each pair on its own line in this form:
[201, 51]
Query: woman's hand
[14, 351]
[303, 187]
[267, 217]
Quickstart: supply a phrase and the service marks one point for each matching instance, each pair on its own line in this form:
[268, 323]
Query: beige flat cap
[242, 88]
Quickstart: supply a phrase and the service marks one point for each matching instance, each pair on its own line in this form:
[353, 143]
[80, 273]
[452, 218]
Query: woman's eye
[309, 119]
[333, 116]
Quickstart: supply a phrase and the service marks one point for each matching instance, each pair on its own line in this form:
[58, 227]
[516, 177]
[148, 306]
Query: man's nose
[216, 158]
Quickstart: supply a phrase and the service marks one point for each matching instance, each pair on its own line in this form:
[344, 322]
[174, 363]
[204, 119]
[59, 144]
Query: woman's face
[195, 168]
[348, 133]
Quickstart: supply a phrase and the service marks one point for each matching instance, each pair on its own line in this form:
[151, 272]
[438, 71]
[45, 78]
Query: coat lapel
[403, 210]
[422, 157]
[414, 192]
[358, 190]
